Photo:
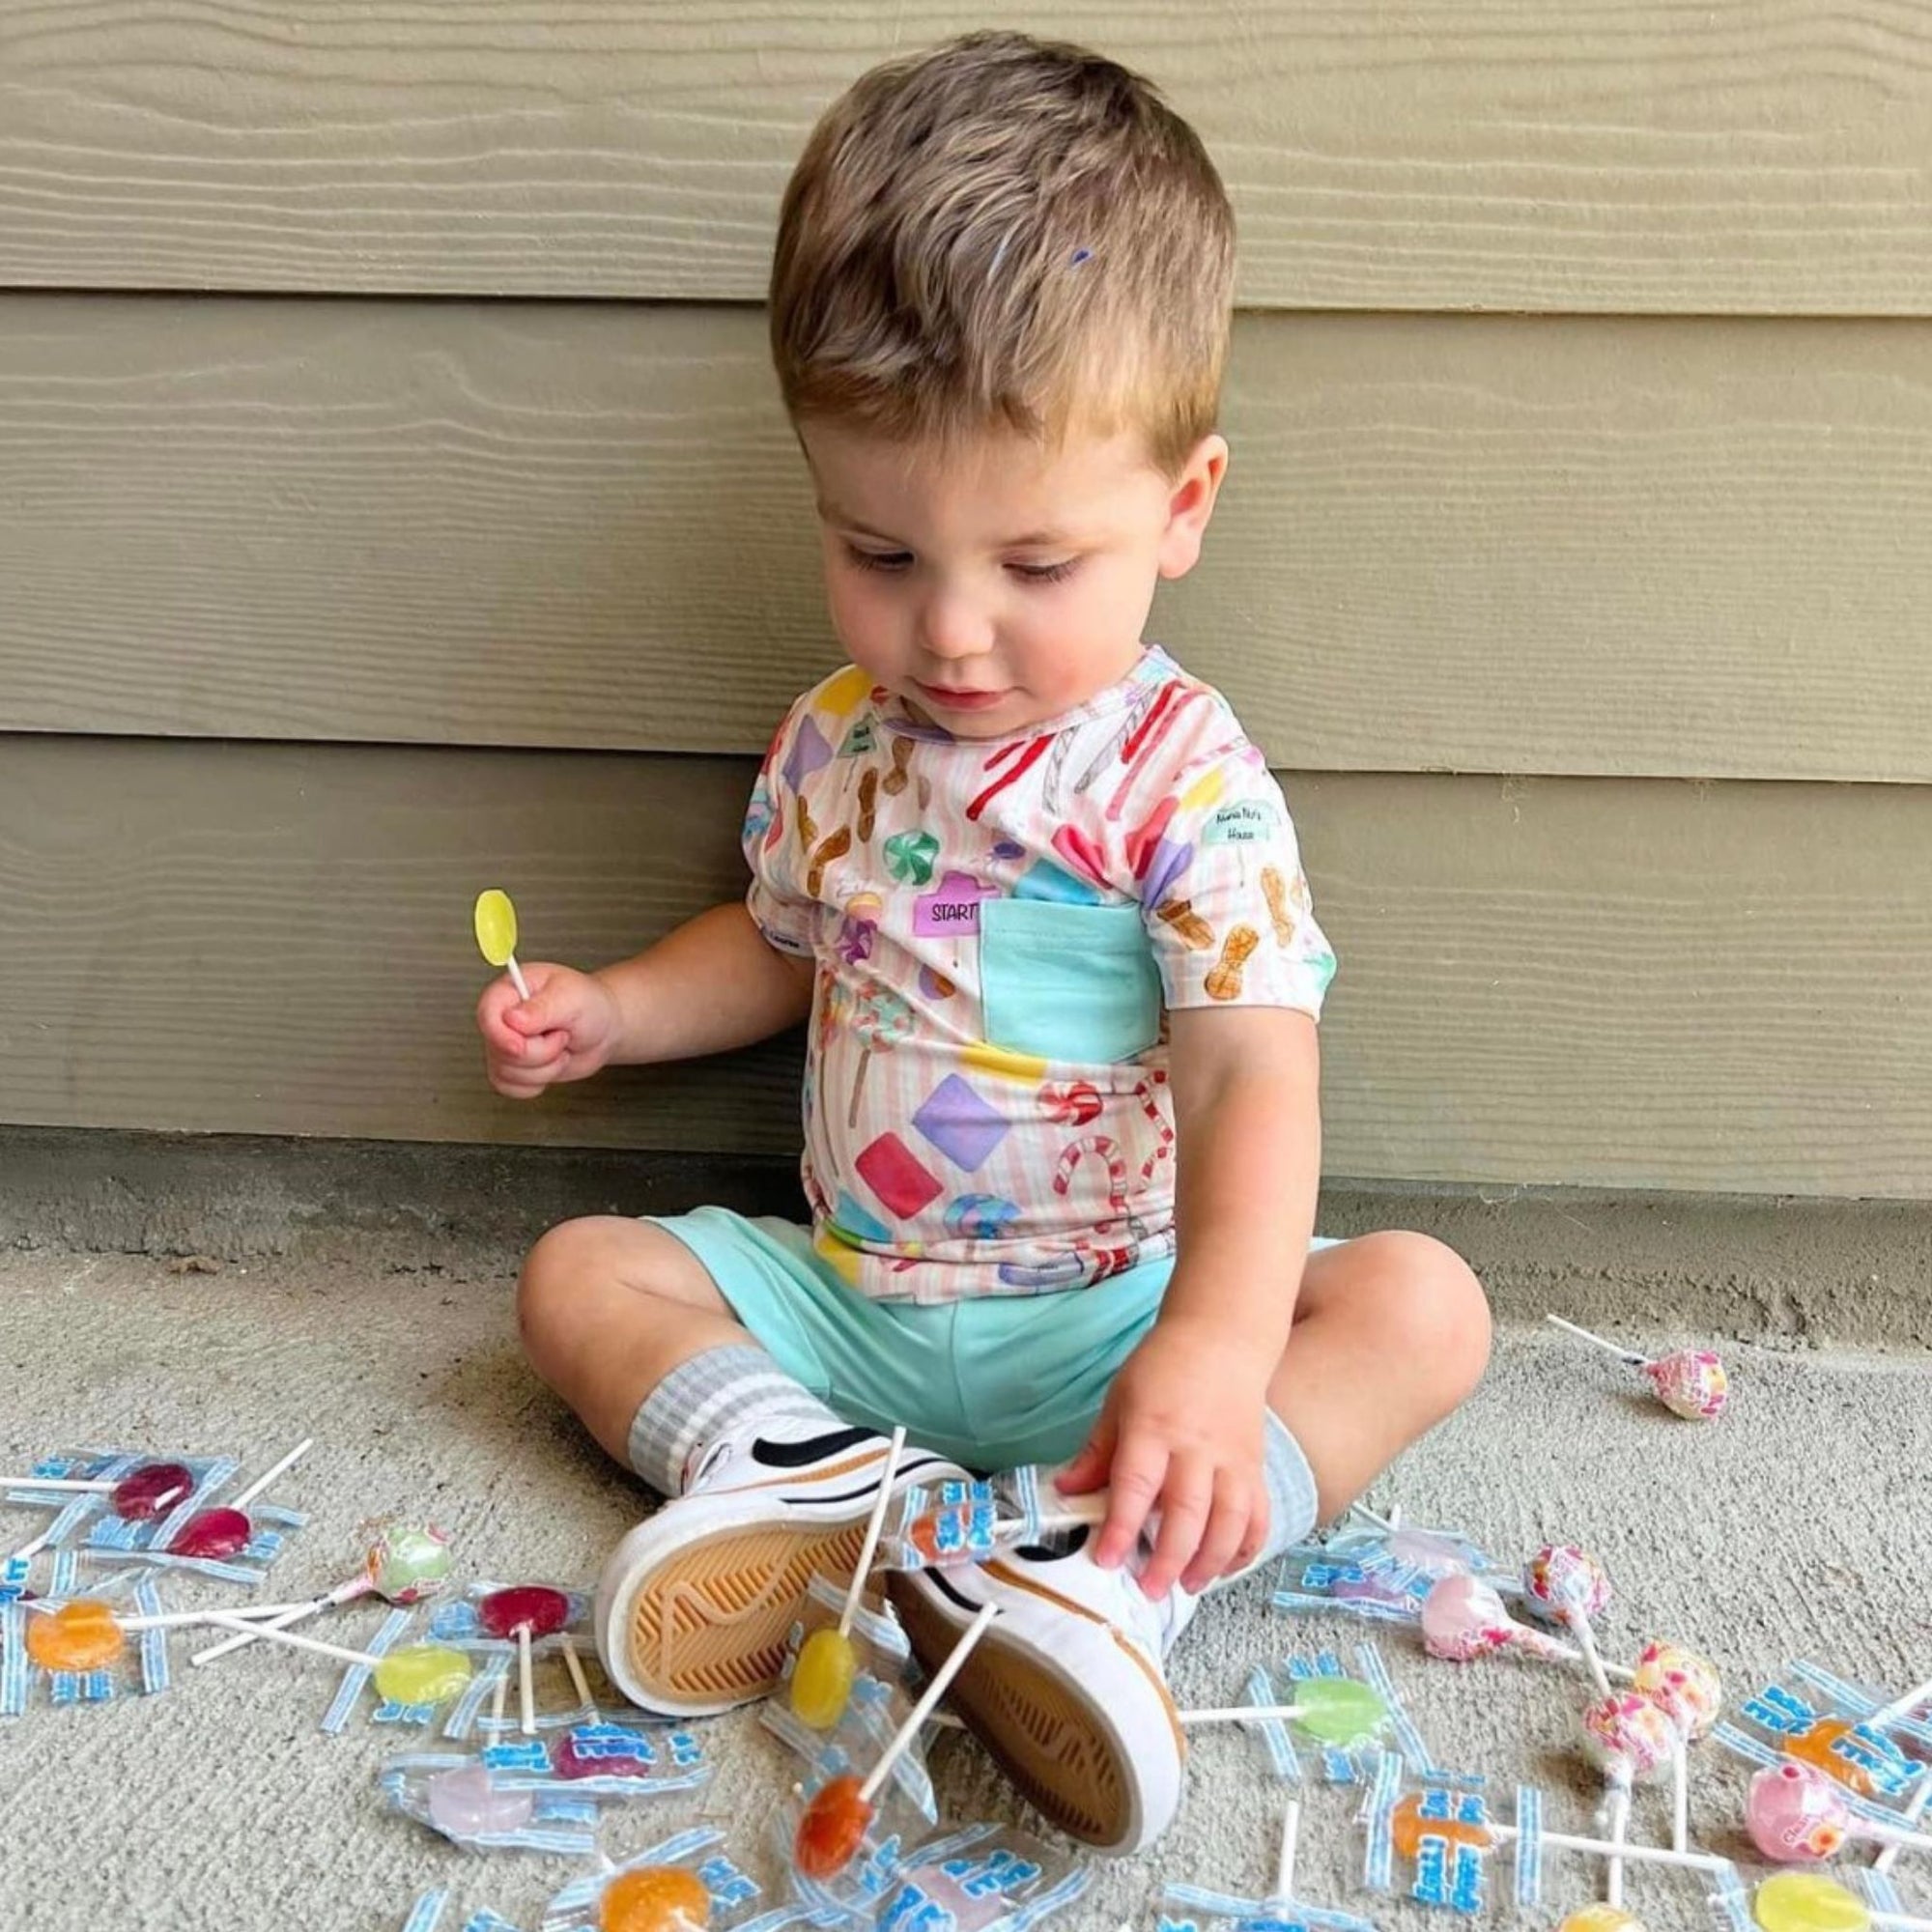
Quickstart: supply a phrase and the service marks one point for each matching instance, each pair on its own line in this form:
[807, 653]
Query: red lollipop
[532, 1610]
[150, 1489]
[227, 1530]
[527, 1610]
[833, 1828]
[212, 1532]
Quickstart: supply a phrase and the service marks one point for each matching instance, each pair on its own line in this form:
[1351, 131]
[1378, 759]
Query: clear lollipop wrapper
[873, 1705]
[689, 1882]
[1431, 1838]
[524, 1635]
[1194, 1908]
[1814, 1716]
[410, 1683]
[157, 1511]
[459, 1797]
[986, 1877]
[81, 1652]
[938, 1525]
[544, 1792]
[1378, 1571]
[427, 1914]
[1344, 1721]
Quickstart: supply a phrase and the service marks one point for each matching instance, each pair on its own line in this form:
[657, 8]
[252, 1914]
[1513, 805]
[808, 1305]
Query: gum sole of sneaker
[711, 1622]
[1045, 1735]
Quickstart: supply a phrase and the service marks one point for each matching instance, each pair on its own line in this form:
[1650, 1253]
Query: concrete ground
[1797, 1527]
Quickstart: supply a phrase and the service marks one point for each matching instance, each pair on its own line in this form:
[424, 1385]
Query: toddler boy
[1042, 905]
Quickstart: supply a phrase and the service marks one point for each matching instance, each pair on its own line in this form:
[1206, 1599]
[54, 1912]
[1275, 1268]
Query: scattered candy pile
[1833, 1765]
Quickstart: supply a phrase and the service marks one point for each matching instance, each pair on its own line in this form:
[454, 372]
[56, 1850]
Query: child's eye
[1046, 572]
[889, 562]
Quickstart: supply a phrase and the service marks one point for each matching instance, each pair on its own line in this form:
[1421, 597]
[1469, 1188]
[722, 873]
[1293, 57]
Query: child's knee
[553, 1278]
[1438, 1312]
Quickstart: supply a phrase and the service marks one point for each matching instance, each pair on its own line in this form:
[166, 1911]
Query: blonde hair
[1005, 232]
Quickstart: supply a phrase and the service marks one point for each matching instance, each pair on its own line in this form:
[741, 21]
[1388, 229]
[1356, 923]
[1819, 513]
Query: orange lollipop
[654, 1898]
[80, 1635]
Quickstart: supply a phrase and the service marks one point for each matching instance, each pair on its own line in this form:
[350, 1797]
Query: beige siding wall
[1592, 641]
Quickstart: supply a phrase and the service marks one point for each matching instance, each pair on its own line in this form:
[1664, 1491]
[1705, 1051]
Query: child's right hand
[566, 1029]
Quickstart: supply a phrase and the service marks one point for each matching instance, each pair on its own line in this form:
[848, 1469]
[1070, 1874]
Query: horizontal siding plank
[1590, 981]
[1744, 158]
[1581, 547]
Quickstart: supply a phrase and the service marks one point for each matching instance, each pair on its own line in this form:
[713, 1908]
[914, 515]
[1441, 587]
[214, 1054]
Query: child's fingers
[1226, 1531]
[1133, 1485]
[1186, 1504]
[1087, 1471]
[1256, 1538]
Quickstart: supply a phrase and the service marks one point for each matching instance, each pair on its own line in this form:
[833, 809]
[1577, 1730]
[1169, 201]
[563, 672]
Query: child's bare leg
[607, 1308]
[1391, 1332]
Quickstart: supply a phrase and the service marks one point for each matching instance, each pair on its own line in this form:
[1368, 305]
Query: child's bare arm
[1182, 1425]
[712, 984]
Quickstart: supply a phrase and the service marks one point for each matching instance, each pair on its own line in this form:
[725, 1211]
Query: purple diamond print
[960, 1124]
[809, 751]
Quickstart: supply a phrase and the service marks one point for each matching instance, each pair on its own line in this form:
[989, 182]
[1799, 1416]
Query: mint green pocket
[1067, 982]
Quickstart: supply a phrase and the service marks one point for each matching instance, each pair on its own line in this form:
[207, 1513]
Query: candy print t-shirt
[999, 926]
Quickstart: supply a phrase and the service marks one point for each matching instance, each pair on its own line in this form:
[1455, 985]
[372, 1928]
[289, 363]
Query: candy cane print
[1102, 1148]
[1162, 1125]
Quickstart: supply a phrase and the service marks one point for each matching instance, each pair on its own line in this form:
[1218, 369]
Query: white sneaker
[1065, 1689]
[695, 1605]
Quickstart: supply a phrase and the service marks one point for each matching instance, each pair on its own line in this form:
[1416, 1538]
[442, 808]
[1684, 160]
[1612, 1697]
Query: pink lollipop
[1797, 1815]
[1570, 1587]
[1686, 1687]
[1689, 1382]
[1630, 1735]
[525, 1610]
[1463, 1618]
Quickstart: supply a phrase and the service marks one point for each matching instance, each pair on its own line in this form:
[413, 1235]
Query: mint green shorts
[992, 1382]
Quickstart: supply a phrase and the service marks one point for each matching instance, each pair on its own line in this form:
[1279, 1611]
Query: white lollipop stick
[1238, 1713]
[243, 1614]
[941, 1679]
[1903, 1921]
[526, 1701]
[1900, 1707]
[1911, 1815]
[1641, 1855]
[1382, 1523]
[497, 1697]
[874, 1524]
[576, 1669]
[1586, 1642]
[517, 979]
[1284, 1871]
[276, 1634]
[1620, 1817]
[358, 1586]
[261, 1482]
[66, 1485]
[1630, 1356]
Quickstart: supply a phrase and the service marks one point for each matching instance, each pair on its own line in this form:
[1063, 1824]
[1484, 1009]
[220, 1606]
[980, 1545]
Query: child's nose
[954, 627]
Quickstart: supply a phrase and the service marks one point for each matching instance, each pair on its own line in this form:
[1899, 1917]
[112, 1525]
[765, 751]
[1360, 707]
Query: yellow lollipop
[497, 935]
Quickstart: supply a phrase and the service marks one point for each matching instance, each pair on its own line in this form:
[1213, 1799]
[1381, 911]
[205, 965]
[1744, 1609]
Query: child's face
[998, 585]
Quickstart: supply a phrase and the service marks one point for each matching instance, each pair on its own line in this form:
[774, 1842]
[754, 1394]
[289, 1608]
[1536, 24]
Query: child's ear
[1191, 505]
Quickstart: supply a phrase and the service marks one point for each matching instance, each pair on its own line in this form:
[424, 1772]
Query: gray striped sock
[712, 1392]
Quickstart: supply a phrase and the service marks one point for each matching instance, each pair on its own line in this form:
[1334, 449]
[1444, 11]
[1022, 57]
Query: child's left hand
[1181, 1432]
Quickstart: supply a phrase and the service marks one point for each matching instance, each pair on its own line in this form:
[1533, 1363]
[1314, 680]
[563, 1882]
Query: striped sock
[712, 1392]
